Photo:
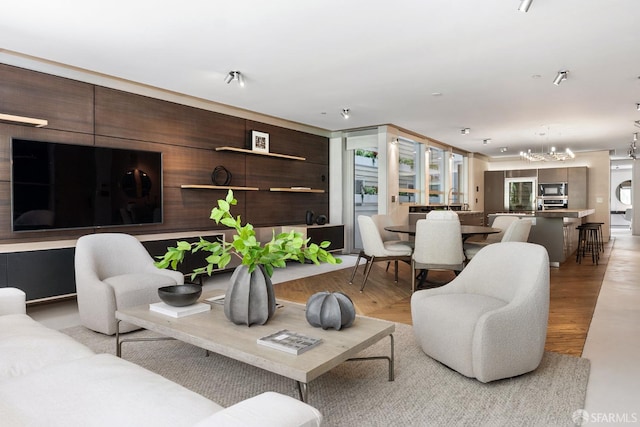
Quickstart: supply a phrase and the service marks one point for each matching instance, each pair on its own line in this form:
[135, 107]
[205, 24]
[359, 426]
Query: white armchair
[490, 322]
[115, 271]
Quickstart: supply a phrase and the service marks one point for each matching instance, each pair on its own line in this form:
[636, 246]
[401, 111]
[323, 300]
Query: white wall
[477, 167]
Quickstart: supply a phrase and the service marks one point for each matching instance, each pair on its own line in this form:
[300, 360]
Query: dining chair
[518, 231]
[388, 237]
[502, 222]
[374, 250]
[438, 245]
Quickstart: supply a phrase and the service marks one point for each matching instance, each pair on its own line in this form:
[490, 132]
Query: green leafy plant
[406, 161]
[367, 153]
[283, 247]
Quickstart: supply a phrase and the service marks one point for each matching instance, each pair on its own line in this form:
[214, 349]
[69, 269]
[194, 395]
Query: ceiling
[431, 67]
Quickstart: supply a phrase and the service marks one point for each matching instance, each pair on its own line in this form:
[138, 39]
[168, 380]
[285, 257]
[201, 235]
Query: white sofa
[49, 379]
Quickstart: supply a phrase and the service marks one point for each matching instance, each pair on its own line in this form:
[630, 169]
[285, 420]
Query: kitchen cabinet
[578, 185]
[494, 191]
[552, 175]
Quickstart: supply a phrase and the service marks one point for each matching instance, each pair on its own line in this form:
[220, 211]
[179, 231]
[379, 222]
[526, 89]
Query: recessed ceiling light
[486, 141]
[436, 94]
[536, 76]
[345, 113]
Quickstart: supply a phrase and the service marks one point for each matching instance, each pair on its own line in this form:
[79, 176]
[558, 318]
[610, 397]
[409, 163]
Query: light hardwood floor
[574, 292]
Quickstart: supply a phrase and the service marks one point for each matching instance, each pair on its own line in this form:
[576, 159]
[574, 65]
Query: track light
[524, 5]
[562, 75]
[345, 113]
[234, 75]
[638, 106]
[486, 141]
[465, 131]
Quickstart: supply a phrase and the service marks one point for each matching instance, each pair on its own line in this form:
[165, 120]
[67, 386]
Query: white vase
[249, 299]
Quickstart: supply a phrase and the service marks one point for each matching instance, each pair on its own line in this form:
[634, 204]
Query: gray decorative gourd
[330, 310]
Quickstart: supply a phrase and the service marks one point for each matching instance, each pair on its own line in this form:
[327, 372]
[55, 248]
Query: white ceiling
[305, 61]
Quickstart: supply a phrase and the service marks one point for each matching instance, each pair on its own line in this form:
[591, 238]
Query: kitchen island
[554, 229]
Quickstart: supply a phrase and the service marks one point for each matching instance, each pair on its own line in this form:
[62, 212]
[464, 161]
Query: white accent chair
[438, 245]
[374, 249]
[115, 271]
[490, 322]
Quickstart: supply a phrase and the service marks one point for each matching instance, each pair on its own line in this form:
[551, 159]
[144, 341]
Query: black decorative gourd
[330, 310]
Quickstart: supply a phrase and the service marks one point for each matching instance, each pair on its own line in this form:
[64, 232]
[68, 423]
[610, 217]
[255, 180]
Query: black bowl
[180, 295]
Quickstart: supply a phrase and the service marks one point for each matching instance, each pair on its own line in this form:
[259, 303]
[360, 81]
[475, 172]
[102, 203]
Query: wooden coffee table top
[213, 331]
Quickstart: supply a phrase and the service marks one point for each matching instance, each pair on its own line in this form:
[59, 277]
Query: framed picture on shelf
[259, 141]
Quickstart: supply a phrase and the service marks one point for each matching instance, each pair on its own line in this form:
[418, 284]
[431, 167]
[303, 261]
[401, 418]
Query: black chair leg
[422, 277]
[355, 268]
[367, 270]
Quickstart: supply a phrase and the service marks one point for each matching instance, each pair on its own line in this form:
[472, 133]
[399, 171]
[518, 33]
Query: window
[457, 189]
[437, 174]
[408, 171]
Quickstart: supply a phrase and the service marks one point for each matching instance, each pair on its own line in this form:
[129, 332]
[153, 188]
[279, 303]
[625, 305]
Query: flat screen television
[63, 186]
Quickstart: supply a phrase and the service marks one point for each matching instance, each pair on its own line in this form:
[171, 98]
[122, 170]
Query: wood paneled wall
[82, 113]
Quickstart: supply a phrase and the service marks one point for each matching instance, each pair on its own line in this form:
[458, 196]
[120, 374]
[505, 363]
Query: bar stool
[599, 234]
[588, 242]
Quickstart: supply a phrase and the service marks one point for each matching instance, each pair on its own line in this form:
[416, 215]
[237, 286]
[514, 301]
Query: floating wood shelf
[296, 190]
[218, 187]
[259, 153]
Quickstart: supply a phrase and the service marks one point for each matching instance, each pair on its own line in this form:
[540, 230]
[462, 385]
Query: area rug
[424, 393]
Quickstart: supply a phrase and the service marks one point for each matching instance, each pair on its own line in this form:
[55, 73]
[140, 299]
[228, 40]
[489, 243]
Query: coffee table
[213, 332]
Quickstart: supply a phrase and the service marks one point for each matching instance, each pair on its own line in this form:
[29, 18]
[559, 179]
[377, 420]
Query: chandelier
[550, 156]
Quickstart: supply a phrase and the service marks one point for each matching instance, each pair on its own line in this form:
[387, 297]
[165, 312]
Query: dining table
[466, 230]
